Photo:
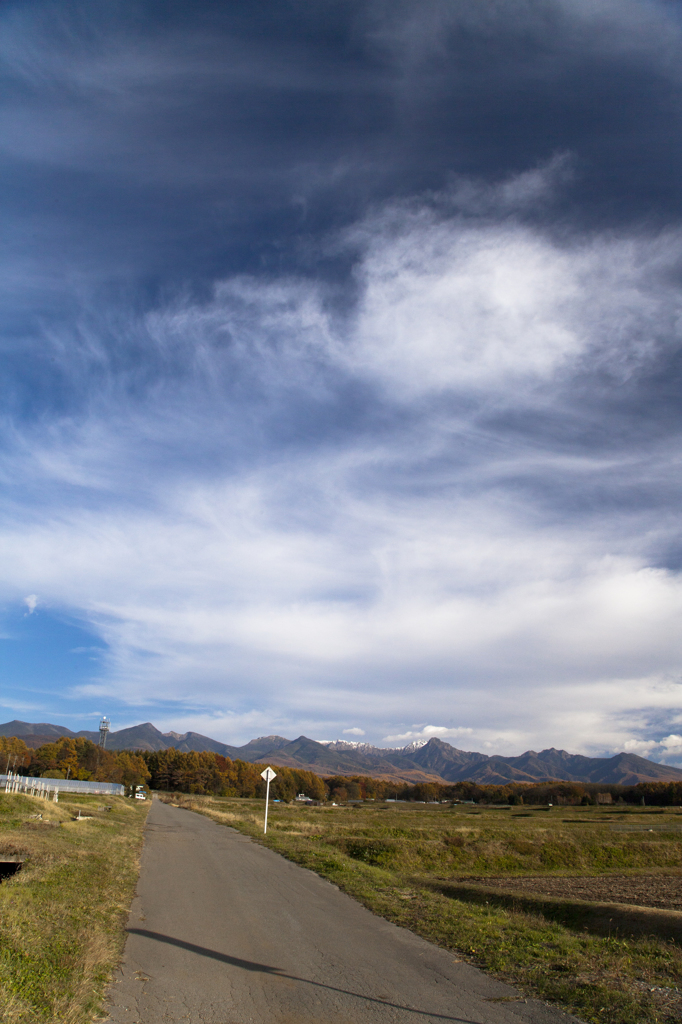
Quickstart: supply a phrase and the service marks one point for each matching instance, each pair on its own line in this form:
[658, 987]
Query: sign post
[268, 775]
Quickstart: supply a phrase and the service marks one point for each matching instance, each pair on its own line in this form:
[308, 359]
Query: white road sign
[268, 775]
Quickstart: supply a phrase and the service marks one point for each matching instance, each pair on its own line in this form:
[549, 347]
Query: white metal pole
[267, 797]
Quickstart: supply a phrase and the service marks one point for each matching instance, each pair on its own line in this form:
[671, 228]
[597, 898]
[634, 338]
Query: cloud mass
[353, 403]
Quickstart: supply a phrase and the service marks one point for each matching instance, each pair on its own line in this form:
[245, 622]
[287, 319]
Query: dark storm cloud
[150, 148]
[194, 141]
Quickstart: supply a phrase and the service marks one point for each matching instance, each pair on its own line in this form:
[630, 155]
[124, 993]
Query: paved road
[224, 931]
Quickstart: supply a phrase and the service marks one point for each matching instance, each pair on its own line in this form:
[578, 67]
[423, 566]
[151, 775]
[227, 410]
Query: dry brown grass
[390, 857]
[62, 915]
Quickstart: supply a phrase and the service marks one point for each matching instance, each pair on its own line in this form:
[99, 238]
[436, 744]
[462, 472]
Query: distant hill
[621, 769]
[35, 735]
[329, 759]
[434, 761]
[138, 737]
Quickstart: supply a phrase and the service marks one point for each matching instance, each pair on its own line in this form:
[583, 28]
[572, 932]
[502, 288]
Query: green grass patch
[62, 915]
[386, 856]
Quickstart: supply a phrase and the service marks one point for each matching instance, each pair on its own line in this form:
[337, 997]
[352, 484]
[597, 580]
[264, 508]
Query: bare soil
[662, 891]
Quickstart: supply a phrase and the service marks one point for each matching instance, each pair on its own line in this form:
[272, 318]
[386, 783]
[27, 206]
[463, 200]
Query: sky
[341, 358]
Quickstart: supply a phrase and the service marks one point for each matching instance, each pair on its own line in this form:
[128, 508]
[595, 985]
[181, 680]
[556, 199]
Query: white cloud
[31, 603]
[482, 307]
[667, 750]
[428, 732]
[355, 731]
[486, 307]
[412, 565]
[469, 307]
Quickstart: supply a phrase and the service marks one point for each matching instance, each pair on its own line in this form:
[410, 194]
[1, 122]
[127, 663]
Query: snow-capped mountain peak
[370, 748]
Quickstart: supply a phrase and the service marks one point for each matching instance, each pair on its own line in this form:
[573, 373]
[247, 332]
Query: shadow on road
[249, 965]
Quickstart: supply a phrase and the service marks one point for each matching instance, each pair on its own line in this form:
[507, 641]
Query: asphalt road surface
[224, 931]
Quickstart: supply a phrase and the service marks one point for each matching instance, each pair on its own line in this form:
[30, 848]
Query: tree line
[662, 794]
[208, 773]
[73, 758]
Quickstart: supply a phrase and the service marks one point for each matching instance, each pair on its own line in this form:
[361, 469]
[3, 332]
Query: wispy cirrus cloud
[437, 546]
[327, 406]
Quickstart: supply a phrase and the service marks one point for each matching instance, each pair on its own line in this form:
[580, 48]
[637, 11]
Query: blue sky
[341, 352]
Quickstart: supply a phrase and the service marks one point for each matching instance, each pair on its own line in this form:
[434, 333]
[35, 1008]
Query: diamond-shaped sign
[268, 774]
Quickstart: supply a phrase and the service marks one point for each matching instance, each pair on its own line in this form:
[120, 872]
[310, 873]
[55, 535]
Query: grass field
[62, 914]
[393, 858]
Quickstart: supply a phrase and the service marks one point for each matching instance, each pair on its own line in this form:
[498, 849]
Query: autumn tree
[14, 754]
[131, 770]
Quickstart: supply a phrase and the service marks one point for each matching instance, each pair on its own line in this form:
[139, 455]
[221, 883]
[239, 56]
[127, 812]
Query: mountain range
[431, 761]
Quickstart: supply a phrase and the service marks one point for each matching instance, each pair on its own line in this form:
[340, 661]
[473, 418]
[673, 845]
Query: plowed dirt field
[662, 891]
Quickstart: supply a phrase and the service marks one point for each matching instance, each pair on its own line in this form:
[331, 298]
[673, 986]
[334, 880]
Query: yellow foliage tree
[14, 754]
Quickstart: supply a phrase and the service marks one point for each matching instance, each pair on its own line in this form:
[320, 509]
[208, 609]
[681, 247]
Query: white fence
[49, 789]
